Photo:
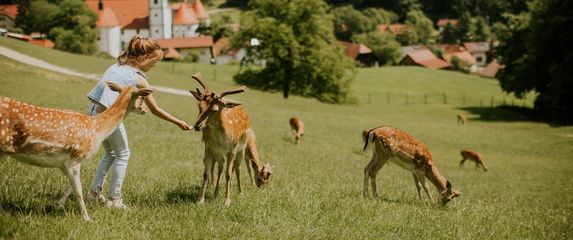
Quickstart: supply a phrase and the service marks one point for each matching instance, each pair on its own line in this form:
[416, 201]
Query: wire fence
[443, 98]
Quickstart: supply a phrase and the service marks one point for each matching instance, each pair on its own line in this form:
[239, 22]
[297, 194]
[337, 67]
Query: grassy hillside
[316, 188]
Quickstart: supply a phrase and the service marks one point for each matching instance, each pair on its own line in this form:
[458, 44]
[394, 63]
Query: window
[155, 2]
[156, 15]
[137, 31]
[156, 31]
[479, 59]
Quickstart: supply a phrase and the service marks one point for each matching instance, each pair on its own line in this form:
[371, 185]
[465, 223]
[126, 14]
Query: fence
[443, 98]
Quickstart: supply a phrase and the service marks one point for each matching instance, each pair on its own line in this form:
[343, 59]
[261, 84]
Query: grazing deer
[62, 139]
[298, 127]
[225, 126]
[407, 152]
[474, 156]
[262, 173]
[461, 118]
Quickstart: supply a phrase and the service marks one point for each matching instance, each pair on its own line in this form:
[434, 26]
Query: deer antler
[238, 90]
[197, 76]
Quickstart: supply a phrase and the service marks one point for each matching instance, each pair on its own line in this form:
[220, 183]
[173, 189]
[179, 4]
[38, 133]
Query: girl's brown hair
[140, 51]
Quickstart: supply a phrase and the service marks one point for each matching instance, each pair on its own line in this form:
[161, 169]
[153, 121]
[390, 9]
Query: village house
[8, 15]
[358, 52]
[479, 51]
[425, 58]
[442, 22]
[120, 20]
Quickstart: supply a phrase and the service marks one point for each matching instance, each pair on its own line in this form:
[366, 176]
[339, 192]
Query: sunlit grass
[316, 188]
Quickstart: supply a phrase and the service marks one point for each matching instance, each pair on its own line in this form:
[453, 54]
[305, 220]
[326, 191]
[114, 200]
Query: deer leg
[424, 184]
[250, 170]
[230, 161]
[212, 179]
[238, 170]
[483, 166]
[64, 198]
[462, 162]
[73, 173]
[377, 166]
[219, 173]
[367, 171]
[417, 183]
[207, 162]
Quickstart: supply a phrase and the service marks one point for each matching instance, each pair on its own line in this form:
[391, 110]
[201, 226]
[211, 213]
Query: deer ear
[229, 103]
[144, 92]
[448, 185]
[114, 86]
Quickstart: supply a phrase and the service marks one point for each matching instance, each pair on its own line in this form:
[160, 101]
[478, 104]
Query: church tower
[160, 19]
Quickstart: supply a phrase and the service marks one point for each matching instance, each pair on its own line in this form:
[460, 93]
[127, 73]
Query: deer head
[264, 175]
[137, 100]
[449, 194]
[211, 102]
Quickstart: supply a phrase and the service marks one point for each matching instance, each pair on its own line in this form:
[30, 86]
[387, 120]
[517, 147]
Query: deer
[297, 127]
[225, 128]
[461, 119]
[473, 156]
[262, 173]
[394, 145]
[53, 138]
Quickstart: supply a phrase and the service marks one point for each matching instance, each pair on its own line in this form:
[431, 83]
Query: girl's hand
[184, 126]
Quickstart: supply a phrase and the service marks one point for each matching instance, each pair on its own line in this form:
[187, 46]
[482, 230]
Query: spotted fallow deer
[262, 173]
[461, 118]
[225, 126]
[473, 156]
[61, 139]
[297, 127]
[407, 152]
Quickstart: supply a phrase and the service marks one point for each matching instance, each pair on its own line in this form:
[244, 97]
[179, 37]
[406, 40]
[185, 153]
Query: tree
[380, 16]
[349, 21]
[35, 16]
[386, 49]
[299, 49]
[74, 27]
[421, 28]
[538, 56]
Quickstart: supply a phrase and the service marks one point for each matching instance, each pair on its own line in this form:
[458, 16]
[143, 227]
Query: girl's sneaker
[116, 203]
[96, 197]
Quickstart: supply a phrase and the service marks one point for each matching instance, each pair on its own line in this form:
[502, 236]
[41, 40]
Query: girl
[140, 56]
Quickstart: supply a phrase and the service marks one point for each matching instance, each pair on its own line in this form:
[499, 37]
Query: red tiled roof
[426, 58]
[9, 10]
[132, 14]
[220, 46]
[444, 21]
[107, 18]
[171, 53]
[352, 50]
[184, 15]
[463, 55]
[43, 42]
[397, 29]
[198, 42]
[200, 10]
[452, 48]
[477, 47]
[491, 70]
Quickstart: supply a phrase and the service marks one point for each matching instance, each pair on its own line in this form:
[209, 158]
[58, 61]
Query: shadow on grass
[508, 114]
[19, 208]
[184, 193]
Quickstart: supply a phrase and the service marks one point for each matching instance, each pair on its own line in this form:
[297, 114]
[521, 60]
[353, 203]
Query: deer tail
[369, 138]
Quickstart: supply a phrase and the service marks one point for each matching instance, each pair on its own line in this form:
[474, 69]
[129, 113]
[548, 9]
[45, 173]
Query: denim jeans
[116, 157]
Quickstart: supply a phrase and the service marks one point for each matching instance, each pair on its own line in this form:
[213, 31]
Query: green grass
[316, 188]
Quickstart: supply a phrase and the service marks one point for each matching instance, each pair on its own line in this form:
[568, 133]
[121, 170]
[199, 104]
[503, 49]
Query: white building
[120, 20]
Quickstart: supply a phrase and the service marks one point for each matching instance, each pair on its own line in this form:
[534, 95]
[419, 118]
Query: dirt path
[23, 58]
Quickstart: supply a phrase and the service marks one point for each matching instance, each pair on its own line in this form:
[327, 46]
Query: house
[223, 53]
[424, 58]
[491, 70]
[199, 46]
[359, 53]
[411, 48]
[479, 51]
[171, 54]
[120, 20]
[8, 15]
[396, 29]
[442, 22]
[27, 38]
[463, 56]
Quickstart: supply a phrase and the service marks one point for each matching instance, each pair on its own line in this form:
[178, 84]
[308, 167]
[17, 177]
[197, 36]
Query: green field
[316, 188]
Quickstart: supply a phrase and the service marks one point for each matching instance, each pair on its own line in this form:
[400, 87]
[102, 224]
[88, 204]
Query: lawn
[316, 188]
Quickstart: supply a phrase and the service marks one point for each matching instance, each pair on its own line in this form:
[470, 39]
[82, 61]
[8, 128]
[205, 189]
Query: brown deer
[298, 127]
[462, 119]
[473, 156]
[407, 152]
[225, 126]
[62, 139]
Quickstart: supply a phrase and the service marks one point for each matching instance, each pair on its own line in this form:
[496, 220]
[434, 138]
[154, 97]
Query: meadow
[316, 187]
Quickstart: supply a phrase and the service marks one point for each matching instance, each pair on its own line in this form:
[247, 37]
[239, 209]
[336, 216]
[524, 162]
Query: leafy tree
[299, 49]
[380, 16]
[74, 27]
[349, 21]
[386, 49]
[538, 55]
[36, 16]
[448, 34]
[421, 28]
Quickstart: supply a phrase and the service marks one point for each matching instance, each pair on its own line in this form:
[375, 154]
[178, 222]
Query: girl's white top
[123, 75]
